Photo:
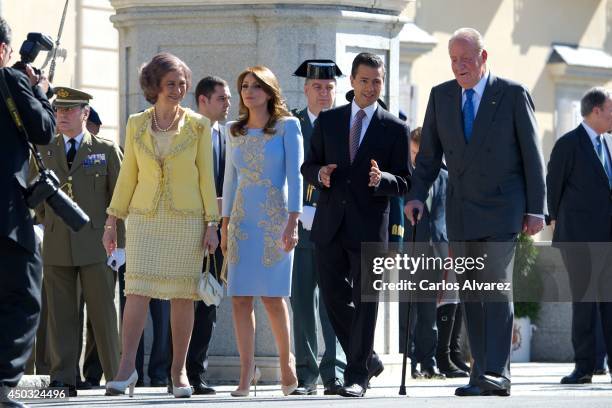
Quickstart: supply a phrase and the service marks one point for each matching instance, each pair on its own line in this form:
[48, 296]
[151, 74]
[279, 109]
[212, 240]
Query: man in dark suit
[358, 158]
[579, 184]
[213, 99]
[485, 127]
[20, 262]
[320, 91]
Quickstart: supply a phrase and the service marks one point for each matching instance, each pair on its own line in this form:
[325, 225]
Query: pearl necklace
[159, 127]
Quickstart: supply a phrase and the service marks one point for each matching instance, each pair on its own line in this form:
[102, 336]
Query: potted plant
[527, 284]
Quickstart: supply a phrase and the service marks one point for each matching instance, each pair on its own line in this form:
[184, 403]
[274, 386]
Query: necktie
[602, 158]
[71, 152]
[468, 115]
[356, 134]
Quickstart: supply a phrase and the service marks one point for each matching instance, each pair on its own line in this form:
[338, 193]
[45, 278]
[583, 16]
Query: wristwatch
[213, 224]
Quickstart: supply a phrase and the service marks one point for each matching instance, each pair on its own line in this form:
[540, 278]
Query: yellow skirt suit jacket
[167, 200]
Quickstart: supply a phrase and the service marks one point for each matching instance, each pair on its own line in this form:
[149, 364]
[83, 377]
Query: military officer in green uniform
[320, 91]
[88, 167]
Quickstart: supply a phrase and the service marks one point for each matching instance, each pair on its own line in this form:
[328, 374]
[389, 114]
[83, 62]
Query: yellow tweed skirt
[164, 254]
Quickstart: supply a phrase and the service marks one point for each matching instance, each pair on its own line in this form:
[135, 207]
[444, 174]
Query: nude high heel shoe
[182, 392]
[288, 389]
[118, 387]
[254, 380]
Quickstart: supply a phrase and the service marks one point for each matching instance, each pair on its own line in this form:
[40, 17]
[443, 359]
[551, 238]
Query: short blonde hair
[470, 35]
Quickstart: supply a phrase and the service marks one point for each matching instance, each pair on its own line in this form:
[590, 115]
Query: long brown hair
[276, 105]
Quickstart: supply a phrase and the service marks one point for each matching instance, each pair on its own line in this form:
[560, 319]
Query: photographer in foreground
[20, 263]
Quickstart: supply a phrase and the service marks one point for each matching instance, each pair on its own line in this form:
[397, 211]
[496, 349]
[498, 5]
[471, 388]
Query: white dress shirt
[365, 122]
[478, 91]
[311, 116]
[78, 139]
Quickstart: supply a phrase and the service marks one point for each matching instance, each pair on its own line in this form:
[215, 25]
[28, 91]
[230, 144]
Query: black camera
[34, 43]
[46, 187]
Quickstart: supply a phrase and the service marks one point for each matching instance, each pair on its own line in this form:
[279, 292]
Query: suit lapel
[589, 151]
[456, 118]
[343, 130]
[82, 153]
[486, 111]
[375, 130]
[59, 151]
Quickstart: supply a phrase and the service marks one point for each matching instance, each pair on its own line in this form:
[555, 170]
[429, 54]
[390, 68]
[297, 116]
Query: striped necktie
[355, 134]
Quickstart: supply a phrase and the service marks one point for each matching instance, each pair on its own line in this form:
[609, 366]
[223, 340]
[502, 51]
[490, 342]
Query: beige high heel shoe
[254, 380]
[118, 387]
[288, 389]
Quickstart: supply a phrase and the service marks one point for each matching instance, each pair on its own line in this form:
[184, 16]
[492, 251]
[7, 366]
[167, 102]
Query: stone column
[223, 38]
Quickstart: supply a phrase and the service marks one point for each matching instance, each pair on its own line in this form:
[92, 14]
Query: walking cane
[402, 390]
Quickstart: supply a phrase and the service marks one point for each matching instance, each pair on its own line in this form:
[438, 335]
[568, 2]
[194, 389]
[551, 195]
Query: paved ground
[534, 385]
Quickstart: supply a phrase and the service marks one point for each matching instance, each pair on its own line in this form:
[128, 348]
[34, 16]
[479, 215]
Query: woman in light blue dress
[262, 199]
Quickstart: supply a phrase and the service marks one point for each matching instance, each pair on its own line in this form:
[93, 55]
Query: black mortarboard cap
[318, 69]
[94, 117]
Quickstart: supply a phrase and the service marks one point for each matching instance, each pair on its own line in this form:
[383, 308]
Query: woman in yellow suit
[166, 190]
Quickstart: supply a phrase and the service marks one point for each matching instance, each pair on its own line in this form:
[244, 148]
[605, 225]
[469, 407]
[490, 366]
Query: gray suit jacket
[495, 179]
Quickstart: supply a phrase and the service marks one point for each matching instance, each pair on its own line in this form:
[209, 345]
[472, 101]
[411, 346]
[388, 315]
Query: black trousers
[204, 323]
[354, 321]
[21, 277]
[589, 272]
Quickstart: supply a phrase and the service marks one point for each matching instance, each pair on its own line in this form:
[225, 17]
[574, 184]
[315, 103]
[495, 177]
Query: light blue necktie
[602, 158]
[468, 115]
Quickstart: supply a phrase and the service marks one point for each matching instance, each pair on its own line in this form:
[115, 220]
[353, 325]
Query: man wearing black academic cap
[320, 91]
[358, 158]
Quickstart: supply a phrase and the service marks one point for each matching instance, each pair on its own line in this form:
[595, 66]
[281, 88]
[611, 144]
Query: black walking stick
[402, 390]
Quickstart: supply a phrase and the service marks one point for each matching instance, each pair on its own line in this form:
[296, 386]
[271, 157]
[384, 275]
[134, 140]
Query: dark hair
[594, 97]
[276, 105]
[5, 32]
[207, 86]
[369, 59]
[415, 135]
[153, 71]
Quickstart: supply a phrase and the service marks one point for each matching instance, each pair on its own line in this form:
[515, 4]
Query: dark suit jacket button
[348, 181]
[343, 202]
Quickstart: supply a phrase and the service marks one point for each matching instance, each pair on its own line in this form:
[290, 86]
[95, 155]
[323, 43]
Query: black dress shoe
[454, 373]
[72, 392]
[202, 388]
[158, 382]
[416, 374]
[305, 389]
[94, 382]
[600, 371]
[140, 382]
[457, 360]
[495, 384]
[432, 373]
[376, 370]
[352, 390]
[577, 377]
[333, 388]
[470, 390]
[82, 385]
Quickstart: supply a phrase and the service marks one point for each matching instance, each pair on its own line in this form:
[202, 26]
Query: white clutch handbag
[209, 289]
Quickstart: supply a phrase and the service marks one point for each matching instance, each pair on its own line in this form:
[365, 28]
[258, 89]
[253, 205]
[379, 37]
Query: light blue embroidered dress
[262, 185]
